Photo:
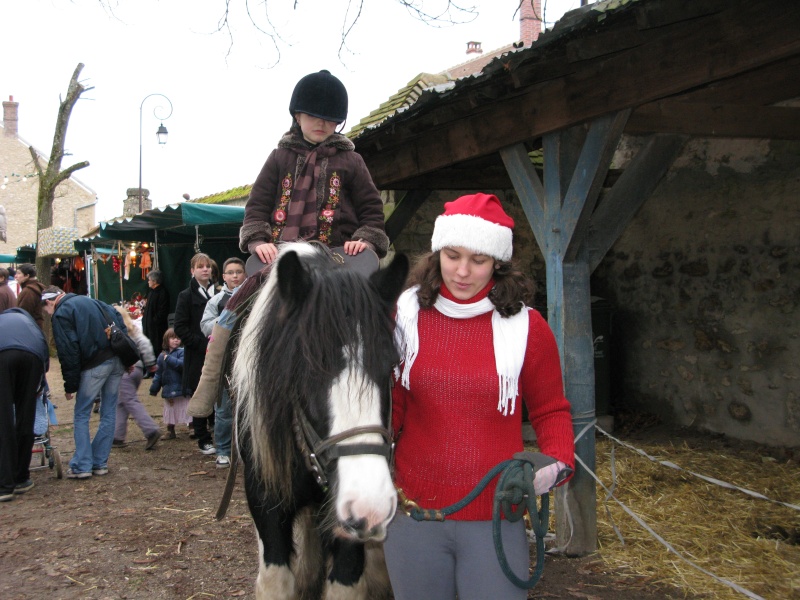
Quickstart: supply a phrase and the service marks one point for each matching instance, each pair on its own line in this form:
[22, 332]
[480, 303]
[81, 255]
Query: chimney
[130, 207]
[10, 117]
[530, 21]
[474, 48]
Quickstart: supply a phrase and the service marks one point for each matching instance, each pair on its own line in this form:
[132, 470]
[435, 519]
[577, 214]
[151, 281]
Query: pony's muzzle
[371, 527]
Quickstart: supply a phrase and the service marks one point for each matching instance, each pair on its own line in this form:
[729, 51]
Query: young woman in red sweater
[472, 352]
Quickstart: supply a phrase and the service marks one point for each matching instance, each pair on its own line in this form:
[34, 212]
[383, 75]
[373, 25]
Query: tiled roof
[425, 82]
[237, 193]
[405, 97]
[475, 65]
[410, 93]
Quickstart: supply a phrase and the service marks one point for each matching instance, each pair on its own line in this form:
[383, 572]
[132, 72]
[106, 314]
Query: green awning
[25, 254]
[175, 224]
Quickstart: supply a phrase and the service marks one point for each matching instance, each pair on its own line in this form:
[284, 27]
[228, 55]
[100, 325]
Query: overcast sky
[230, 102]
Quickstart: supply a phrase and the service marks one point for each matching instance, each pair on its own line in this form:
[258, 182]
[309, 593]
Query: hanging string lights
[12, 177]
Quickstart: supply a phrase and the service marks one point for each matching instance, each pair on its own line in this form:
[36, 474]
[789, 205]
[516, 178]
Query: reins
[514, 489]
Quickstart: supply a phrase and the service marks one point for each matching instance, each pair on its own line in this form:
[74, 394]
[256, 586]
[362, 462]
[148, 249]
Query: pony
[311, 379]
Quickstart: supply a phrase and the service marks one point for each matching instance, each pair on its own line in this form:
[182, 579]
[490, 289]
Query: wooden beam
[404, 211]
[528, 186]
[678, 57]
[487, 178]
[632, 189]
[716, 120]
[762, 86]
[587, 179]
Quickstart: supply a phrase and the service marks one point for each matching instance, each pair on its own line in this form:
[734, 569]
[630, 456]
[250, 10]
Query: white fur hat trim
[473, 233]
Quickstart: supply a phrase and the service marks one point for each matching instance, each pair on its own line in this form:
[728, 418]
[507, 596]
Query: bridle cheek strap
[319, 453]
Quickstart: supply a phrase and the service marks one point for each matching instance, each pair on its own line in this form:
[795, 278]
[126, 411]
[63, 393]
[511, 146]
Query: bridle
[319, 454]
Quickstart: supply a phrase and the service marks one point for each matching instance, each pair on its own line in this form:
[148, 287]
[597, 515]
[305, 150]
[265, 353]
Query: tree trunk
[51, 176]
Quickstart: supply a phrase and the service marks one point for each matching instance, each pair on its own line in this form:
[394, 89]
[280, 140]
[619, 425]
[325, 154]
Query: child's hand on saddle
[266, 252]
[354, 247]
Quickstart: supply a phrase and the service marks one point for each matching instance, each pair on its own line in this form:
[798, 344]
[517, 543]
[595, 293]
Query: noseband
[319, 454]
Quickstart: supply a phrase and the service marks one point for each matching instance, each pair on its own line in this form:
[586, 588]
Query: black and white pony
[311, 378]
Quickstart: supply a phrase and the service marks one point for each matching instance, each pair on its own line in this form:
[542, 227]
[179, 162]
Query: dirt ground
[147, 530]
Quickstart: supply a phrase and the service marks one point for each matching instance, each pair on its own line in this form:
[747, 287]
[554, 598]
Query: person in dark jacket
[155, 318]
[314, 186]
[89, 368]
[30, 294]
[188, 313]
[24, 359]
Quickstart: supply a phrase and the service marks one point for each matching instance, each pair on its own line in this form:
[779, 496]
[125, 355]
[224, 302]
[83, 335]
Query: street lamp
[161, 134]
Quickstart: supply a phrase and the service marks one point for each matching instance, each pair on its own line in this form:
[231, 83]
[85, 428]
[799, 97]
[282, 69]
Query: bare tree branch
[445, 13]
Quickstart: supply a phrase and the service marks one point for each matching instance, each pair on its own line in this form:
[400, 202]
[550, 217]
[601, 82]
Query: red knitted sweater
[450, 431]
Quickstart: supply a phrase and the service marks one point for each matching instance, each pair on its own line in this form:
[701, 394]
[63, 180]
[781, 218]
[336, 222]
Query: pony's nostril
[358, 525]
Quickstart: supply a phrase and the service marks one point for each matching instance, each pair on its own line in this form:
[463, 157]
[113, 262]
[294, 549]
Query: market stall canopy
[172, 224]
[25, 254]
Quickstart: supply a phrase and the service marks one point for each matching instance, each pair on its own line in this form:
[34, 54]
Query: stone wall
[704, 289]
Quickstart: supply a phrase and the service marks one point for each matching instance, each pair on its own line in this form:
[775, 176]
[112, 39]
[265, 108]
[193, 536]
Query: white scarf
[509, 338]
[205, 292]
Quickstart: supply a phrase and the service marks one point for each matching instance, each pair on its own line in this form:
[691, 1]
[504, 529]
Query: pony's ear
[294, 282]
[391, 280]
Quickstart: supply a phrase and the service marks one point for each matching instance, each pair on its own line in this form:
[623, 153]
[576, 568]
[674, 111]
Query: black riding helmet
[320, 95]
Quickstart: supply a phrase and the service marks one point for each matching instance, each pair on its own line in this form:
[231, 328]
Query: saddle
[365, 262]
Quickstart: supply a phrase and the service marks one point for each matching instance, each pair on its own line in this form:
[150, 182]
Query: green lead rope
[515, 488]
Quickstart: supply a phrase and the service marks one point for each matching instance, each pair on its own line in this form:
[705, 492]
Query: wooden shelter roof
[720, 68]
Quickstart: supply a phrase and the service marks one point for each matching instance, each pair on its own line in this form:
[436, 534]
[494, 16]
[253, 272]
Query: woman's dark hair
[27, 269]
[157, 276]
[512, 288]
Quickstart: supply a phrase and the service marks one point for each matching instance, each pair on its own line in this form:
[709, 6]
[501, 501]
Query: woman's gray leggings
[438, 560]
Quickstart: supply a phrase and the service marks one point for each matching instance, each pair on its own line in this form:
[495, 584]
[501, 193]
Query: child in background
[233, 275]
[169, 379]
[314, 186]
[128, 403]
[188, 314]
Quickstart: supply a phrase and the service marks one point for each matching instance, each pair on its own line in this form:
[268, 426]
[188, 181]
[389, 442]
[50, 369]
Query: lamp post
[161, 134]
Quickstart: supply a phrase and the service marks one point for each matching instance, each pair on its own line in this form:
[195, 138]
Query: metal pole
[141, 106]
[121, 268]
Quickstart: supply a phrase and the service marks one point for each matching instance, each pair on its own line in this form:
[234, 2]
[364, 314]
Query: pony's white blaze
[365, 490]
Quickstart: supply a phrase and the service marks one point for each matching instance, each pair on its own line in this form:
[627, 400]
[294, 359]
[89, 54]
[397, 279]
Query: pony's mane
[290, 353]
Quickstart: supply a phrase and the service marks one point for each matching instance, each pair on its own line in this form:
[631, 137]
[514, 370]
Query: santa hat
[477, 223]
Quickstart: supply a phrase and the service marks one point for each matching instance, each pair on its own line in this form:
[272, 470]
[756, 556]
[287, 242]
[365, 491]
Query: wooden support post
[575, 164]
[573, 238]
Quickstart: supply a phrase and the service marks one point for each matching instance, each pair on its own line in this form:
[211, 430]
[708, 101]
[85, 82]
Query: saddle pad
[365, 262]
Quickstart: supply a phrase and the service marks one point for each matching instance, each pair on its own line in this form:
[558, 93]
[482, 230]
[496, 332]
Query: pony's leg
[275, 580]
[375, 572]
[308, 564]
[346, 580]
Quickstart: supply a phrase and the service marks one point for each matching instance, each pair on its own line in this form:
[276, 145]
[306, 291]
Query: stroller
[45, 454]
